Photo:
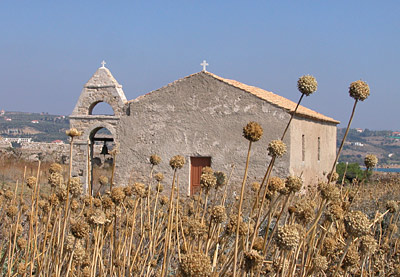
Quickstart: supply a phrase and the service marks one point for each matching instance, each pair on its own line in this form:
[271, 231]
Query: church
[200, 117]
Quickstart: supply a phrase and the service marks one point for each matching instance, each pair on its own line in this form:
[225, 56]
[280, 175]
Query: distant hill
[47, 128]
[38, 126]
[384, 144]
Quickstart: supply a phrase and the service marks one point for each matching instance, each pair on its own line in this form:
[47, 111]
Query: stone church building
[201, 117]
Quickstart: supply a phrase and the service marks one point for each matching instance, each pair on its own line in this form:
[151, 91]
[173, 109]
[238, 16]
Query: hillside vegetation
[47, 129]
[383, 144]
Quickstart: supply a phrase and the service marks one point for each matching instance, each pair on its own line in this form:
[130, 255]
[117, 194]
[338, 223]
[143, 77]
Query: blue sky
[49, 49]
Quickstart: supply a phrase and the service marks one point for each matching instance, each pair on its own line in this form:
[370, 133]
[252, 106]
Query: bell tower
[101, 88]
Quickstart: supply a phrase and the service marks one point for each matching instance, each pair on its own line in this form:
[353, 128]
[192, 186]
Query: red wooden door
[197, 164]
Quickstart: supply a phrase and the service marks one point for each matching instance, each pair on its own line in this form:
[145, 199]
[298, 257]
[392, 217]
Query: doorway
[196, 166]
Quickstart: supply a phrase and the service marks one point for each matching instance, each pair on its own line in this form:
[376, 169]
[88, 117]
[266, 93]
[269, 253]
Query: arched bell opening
[101, 160]
[101, 108]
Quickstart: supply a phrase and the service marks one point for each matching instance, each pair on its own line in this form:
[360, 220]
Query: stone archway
[101, 143]
[101, 108]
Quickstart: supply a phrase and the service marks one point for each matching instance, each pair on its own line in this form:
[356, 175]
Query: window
[319, 148]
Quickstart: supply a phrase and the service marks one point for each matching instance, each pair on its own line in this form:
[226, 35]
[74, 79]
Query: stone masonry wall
[311, 168]
[198, 116]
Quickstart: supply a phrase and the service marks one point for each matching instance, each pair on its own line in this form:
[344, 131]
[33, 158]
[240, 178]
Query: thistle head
[55, 168]
[252, 131]
[73, 132]
[293, 183]
[177, 162]
[31, 182]
[307, 84]
[359, 90]
[370, 161]
[276, 148]
[155, 159]
[356, 224]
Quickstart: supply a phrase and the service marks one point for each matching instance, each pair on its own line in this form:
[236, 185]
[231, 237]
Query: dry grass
[142, 230]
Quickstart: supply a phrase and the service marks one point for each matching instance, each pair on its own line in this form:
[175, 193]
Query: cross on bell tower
[103, 63]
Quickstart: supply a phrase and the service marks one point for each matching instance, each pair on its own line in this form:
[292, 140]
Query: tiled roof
[277, 100]
[268, 96]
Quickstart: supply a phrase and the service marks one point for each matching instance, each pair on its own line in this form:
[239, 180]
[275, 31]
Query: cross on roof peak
[204, 64]
[103, 63]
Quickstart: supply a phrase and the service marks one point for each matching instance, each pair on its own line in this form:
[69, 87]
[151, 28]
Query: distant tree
[353, 171]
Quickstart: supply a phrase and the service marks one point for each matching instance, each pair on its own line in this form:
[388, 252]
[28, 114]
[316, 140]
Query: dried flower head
[177, 162]
[276, 184]
[207, 169]
[79, 229]
[195, 264]
[221, 179]
[21, 243]
[139, 189]
[196, 228]
[31, 182]
[307, 84]
[103, 180]
[163, 200]
[8, 194]
[334, 212]
[218, 214]
[288, 237]
[276, 148]
[252, 260]
[208, 180]
[73, 132]
[21, 268]
[11, 211]
[359, 90]
[252, 131]
[320, 263]
[55, 168]
[305, 211]
[55, 179]
[155, 159]
[159, 177]
[293, 183]
[329, 191]
[392, 206]
[53, 200]
[97, 202]
[356, 223]
[255, 186]
[231, 226]
[258, 243]
[352, 257]
[117, 195]
[74, 205]
[368, 245]
[98, 218]
[75, 186]
[335, 177]
[107, 202]
[128, 191]
[370, 161]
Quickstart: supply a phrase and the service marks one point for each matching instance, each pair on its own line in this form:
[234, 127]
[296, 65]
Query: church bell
[104, 150]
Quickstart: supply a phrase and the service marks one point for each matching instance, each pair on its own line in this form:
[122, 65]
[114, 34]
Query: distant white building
[2, 112]
[35, 121]
[359, 130]
[18, 140]
[358, 144]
